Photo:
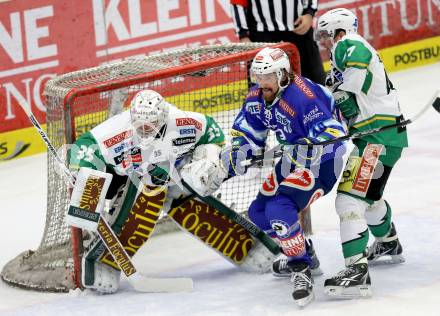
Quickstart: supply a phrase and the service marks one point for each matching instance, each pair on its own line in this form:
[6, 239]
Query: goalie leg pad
[99, 277]
[259, 259]
[205, 223]
[134, 227]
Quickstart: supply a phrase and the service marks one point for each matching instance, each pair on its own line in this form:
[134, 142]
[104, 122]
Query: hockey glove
[333, 79]
[347, 104]
[303, 152]
[205, 173]
[231, 158]
[159, 174]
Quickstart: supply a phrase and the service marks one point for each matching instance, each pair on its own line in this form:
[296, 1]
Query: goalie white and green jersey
[364, 75]
[113, 144]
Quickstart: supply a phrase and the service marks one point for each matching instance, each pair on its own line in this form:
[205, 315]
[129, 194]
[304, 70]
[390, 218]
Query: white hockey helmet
[333, 20]
[271, 60]
[148, 112]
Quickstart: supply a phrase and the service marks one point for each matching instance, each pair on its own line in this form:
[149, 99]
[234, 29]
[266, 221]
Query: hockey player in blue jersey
[300, 113]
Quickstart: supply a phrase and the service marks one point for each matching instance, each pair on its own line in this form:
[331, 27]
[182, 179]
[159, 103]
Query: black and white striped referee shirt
[269, 15]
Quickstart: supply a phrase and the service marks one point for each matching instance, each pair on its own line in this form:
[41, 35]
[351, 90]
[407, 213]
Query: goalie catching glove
[205, 173]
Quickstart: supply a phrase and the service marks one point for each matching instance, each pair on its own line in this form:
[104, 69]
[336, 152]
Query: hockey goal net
[209, 79]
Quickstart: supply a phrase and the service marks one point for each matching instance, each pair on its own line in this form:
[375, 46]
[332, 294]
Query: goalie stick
[271, 245]
[277, 151]
[138, 281]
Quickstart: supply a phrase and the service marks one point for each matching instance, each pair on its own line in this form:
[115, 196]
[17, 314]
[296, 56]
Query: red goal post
[211, 79]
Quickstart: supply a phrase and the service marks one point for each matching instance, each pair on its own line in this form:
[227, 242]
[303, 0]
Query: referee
[281, 21]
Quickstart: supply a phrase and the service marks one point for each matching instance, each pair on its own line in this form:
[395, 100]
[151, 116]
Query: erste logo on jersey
[184, 121]
[122, 146]
[187, 131]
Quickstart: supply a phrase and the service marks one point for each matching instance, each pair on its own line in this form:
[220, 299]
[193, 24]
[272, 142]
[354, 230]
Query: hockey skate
[386, 250]
[280, 268]
[302, 280]
[352, 282]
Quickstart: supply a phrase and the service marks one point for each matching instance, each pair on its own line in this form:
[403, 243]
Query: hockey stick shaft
[107, 235]
[277, 151]
[237, 218]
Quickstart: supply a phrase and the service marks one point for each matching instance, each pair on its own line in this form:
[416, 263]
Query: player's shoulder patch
[303, 87]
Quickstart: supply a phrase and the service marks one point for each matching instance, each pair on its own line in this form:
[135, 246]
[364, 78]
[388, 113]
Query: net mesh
[210, 79]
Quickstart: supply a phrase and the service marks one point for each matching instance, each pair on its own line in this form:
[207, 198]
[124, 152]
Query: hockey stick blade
[146, 284]
[237, 218]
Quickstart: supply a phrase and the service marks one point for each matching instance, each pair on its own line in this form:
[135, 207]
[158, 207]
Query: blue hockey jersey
[304, 109]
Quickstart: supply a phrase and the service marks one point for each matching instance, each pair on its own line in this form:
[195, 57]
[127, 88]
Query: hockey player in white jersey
[367, 100]
[147, 149]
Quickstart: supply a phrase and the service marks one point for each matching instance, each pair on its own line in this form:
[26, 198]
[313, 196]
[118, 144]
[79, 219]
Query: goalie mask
[271, 63]
[148, 112]
[332, 21]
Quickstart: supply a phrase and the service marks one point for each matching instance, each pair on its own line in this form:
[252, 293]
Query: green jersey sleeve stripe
[375, 118]
[357, 64]
[367, 83]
